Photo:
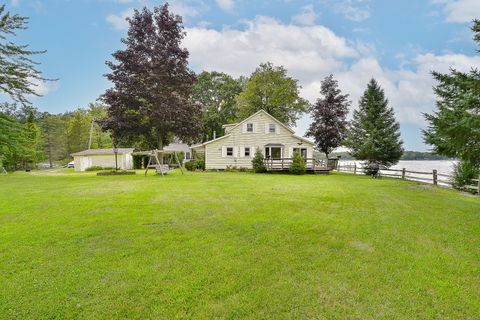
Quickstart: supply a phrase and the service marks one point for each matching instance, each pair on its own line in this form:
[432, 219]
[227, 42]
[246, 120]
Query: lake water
[442, 167]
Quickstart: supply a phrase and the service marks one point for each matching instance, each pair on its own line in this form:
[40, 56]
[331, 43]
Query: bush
[200, 163]
[138, 161]
[94, 168]
[298, 164]
[197, 164]
[191, 165]
[243, 169]
[463, 174]
[257, 162]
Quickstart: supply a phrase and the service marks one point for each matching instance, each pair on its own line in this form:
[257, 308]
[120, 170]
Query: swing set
[155, 161]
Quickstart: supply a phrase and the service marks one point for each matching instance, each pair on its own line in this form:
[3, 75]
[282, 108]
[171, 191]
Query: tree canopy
[18, 73]
[217, 93]
[454, 128]
[374, 133]
[152, 83]
[269, 88]
[329, 113]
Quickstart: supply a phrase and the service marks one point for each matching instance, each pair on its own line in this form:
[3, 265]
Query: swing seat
[165, 168]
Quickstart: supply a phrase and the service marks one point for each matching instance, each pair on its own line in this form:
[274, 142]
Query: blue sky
[397, 42]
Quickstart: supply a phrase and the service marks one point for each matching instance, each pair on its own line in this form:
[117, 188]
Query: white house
[261, 130]
[103, 158]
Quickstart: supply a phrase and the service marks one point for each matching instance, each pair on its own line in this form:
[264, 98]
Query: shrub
[94, 168]
[200, 164]
[463, 174]
[257, 162]
[298, 164]
[243, 169]
[191, 165]
[137, 161]
[231, 169]
[197, 164]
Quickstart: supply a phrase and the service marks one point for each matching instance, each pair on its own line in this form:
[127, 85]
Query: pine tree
[454, 128]
[152, 82]
[257, 162]
[18, 73]
[374, 133]
[329, 127]
[298, 165]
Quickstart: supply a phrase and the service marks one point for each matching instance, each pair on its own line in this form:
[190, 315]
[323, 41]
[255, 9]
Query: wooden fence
[432, 177]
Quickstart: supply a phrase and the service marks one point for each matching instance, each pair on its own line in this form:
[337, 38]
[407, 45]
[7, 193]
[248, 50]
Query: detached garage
[104, 158]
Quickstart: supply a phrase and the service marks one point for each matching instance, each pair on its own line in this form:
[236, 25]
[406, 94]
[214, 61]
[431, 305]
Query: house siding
[125, 161]
[238, 139]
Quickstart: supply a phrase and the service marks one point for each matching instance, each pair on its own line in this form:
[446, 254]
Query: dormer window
[249, 127]
[272, 128]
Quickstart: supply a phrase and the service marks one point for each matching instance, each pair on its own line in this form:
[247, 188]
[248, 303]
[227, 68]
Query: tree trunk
[326, 155]
[160, 147]
[50, 152]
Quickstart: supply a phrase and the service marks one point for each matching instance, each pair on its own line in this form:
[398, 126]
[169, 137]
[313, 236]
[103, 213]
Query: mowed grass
[235, 245]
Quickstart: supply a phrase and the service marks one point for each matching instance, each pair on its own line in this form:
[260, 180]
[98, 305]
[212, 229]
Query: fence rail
[431, 177]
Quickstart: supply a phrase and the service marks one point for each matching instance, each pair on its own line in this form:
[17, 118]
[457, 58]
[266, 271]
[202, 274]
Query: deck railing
[310, 163]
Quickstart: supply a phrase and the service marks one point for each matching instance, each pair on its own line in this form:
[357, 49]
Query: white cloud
[355, 10]
[15, 3]
[306, 16]
[119, 21]
[226, 5]
[312, 52]
[460, 11]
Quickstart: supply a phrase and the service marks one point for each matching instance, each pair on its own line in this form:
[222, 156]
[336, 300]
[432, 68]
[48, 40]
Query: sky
[397, 42]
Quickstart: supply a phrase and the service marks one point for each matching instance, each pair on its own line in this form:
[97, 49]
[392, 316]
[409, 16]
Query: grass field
[235, 245]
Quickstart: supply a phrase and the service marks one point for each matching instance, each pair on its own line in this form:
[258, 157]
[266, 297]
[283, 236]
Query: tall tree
[18, 73]
[329, 126]
[454, 128]
[217, 93]
[374, 133]
[78, 131]
[152, 82]
[32, 149]
[269, 88]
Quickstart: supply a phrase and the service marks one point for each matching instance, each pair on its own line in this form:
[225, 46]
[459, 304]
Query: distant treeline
[407, 155]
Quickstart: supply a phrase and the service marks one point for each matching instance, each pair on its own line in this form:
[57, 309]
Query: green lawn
[235, 245]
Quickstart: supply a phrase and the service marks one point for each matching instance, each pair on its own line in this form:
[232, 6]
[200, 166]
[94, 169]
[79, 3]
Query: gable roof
[268, 114]
[235, 125]
[108, 151]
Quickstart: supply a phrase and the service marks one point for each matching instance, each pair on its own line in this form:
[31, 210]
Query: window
[271, 127]
[249, 127]
[302, 151]
[187, 155]
[247, 152]
[229, 151]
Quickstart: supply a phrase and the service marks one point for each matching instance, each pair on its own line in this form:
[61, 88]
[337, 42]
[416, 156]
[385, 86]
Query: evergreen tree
[298, 165]
[32, 151]
[257, 162]
[18, 76]
[269, 88]
[152, 82]
[329, 126]
[454, 128]
[374, 133]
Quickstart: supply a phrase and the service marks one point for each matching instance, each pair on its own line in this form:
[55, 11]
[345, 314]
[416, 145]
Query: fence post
[404, 173]
[355, 168]
[435, 178]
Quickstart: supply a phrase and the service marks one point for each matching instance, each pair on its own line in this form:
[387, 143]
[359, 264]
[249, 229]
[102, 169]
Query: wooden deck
[312, 165]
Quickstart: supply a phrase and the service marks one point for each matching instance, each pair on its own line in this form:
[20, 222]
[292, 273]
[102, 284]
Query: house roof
[210, 141]
[177, 147]
[268, 114]
[234, 125]
[91, 152]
